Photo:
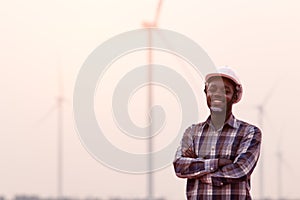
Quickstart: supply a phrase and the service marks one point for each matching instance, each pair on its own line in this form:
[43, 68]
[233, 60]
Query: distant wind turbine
[261, 116]
[150, 25]
[281, 163]
[58, 106]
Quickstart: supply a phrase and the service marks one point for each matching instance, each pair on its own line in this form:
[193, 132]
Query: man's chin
[216, 109]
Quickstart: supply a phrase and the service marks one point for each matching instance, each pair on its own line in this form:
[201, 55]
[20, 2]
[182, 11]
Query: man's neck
[218, 119]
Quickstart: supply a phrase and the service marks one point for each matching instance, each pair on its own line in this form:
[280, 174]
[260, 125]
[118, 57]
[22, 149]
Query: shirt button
[221, 183]
[211, 168]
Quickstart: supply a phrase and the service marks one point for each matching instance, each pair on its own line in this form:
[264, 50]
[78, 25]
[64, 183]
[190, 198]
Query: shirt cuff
[211, 165]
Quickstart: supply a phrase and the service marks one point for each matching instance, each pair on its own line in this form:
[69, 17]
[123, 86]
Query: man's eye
[212, 89]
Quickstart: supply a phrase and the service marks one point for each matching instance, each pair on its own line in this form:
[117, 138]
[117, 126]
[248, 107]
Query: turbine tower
[279, 165]
[58, 106]
[150, 25]
[261, 116]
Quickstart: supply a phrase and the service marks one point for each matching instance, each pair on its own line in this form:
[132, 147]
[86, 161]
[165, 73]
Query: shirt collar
[232, 121]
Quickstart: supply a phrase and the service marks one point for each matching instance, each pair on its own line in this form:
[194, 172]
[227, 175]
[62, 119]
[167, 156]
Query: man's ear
[235, 97]
[205, 88]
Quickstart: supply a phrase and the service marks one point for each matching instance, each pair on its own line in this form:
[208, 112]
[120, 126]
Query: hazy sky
[260, 39]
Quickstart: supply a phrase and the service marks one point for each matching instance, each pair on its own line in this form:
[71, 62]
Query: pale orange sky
[260, 39]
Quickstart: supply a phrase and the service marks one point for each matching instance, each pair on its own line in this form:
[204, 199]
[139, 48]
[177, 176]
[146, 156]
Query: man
[218, 156]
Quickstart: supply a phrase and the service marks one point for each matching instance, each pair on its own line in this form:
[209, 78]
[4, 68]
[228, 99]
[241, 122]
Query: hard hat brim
[209, 76]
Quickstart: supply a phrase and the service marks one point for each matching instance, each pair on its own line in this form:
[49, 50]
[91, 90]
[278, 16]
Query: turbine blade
[157, 13]
[47, 114]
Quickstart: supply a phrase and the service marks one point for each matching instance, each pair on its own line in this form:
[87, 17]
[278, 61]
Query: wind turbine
[58, 106]
[60, 142]
[279, 165]
[281, 162]
[261, 116]
[148, 25]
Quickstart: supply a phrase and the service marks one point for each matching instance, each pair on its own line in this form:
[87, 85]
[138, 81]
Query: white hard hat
[229, 73]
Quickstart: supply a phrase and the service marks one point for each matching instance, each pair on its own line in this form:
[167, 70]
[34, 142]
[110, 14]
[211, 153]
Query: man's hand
[190, 153]
[223, 161]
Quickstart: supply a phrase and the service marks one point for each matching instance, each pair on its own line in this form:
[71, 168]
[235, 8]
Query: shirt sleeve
[186, 167]
[244, 163]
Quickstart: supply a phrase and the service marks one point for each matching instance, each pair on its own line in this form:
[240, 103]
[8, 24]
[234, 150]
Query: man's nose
[219, 92]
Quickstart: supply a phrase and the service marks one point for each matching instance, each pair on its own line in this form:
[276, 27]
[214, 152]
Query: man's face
[219, 95]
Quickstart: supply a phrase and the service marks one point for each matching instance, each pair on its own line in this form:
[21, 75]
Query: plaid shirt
[237, 141]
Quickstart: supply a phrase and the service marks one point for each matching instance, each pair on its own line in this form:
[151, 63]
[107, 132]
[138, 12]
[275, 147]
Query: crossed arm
[218, 171]
[221, 161]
